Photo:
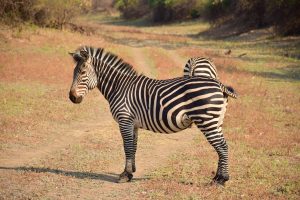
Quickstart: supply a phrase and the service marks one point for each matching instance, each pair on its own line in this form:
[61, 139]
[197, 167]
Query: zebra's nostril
[75, 99]
[79, 99]
[72, 98]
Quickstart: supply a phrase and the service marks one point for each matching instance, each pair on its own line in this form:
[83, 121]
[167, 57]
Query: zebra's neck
[114, 75]
[114, 82]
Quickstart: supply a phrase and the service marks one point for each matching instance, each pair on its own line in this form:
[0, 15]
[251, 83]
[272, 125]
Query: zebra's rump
[200, 66]
[171, 103]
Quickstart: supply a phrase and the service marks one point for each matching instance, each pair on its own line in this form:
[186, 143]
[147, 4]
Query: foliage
[56, 13]
[12, 11]
[161, 10]
[132, 8]
[168, 10]
[50, 13]
[283, 14]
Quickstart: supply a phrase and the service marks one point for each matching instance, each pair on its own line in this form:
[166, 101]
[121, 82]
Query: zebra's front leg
[127, 132]
[135, 139]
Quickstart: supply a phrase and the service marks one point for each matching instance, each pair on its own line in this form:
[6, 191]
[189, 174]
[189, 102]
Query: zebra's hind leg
[215, 137]
[222, 174]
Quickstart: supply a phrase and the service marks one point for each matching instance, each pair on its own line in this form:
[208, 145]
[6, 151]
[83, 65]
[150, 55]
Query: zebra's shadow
[108, 177]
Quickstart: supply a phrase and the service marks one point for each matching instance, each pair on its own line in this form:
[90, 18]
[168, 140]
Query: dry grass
[68, 151]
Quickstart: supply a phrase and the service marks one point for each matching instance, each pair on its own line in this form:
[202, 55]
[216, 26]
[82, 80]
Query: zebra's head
[84, 77]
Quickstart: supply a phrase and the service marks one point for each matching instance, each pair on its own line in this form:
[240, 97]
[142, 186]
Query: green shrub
[56, 13]
[132, 8]
[50, 13]
[283, 14]
[161, 10]
[168, 10]
[13, 12]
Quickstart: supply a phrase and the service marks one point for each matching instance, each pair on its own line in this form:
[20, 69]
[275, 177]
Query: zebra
[200, 66]
[165, 106]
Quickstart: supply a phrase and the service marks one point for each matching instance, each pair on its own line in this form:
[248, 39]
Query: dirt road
[149, 157]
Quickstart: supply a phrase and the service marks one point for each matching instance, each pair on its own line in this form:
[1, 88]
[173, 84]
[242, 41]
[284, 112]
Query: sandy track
[149, 158]
[66, 136]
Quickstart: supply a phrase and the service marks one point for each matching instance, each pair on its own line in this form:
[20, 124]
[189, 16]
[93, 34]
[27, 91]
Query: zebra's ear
[76, 56]
[84, 55]
[71, 54]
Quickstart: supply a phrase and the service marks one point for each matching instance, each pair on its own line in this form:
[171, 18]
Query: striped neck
[113, 74]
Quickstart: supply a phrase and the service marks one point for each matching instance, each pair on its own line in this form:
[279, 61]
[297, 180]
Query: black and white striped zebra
[164, 106]
[200, 66]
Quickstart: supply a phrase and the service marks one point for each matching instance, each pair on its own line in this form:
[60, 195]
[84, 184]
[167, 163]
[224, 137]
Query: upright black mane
[100, 53]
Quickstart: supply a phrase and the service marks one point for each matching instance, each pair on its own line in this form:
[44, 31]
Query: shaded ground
[52, 149]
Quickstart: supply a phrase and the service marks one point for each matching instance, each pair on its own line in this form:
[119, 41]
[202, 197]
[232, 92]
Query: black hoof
[133, 168]
[220, 179]
[125, 177]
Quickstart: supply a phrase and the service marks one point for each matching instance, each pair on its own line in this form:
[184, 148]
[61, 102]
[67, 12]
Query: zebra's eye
[82, 72]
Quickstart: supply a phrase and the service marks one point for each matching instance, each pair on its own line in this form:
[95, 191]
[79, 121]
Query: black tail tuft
[230, 89]
[231, 92]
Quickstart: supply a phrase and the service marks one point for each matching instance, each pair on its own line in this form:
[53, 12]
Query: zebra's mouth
[75, 99]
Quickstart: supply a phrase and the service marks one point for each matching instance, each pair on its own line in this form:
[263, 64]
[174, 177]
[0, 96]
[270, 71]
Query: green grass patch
[19, 98]
[98, 18]
[51, 49]
[178, 28]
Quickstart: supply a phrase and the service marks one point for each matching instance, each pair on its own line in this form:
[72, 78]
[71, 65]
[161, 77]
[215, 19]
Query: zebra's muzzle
[75, 99]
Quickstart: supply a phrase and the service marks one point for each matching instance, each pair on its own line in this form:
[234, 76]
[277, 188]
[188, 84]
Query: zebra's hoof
[220, 179]
[125, 177]
[133, 168]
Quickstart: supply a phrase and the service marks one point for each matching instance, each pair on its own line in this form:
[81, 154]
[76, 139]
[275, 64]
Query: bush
[283, 14]
[168, 10]
[50, 13]
[132, 8]
[13, 12]
[161, 10]
[56, 13]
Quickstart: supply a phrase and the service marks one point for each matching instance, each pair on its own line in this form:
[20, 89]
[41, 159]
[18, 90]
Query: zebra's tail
[228, 91]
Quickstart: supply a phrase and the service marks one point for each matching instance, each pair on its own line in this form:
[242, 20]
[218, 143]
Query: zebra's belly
[170, 124]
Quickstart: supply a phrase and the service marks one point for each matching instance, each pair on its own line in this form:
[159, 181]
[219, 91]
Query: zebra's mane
[100, 53]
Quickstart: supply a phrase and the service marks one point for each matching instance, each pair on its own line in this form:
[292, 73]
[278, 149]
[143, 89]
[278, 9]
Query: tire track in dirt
[143, 62]
[176, 58]
[69, 135]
